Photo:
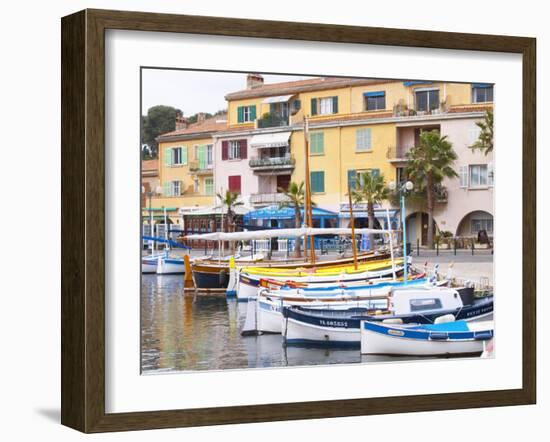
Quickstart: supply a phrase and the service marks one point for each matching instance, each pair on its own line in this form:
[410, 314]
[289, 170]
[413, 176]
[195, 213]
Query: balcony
[272, 120]
[196, 168]
[267, 198]
[441, 194]
[397, 154]
[269, 164]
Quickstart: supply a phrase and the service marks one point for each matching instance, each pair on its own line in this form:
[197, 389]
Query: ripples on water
[203, 333]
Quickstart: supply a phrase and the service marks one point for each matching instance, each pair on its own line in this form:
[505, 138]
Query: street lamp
[403, 189]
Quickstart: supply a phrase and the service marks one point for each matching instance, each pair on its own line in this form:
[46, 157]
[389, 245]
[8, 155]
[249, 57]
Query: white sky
[195, 91]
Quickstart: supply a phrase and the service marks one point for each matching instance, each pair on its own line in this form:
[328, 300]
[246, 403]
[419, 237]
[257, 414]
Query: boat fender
[393, 321]
[444, 319]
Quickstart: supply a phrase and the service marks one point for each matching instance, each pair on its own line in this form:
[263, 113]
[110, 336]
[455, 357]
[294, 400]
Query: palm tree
[230, 200]
[295, 197]
[485, 139]
[428, 164]
[371, 188]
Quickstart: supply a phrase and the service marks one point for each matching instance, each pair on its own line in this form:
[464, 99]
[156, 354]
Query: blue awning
[374, 94]
[482, 85]
[273, 212]
[413, 82]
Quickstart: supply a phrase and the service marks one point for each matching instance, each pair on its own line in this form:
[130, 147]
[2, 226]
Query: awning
[276, 212]
[482, 85]
[415, 82]
[374, 94]
[278, 139]
[278, 99]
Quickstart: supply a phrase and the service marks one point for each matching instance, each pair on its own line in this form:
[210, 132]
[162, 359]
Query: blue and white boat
[149, 263]
[303, 326]
[444, 339]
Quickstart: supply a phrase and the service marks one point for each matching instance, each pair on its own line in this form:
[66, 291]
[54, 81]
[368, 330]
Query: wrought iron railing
[272, 120]
[286, 161]
[268, 198]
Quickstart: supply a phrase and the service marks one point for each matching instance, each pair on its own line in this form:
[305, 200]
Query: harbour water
[203, 333]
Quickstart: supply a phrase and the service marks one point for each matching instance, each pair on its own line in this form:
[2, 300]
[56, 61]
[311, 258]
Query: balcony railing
[286, 162]
[200, 169]
[441, 194]
[272, 120]
[268, 198]
[397, 153]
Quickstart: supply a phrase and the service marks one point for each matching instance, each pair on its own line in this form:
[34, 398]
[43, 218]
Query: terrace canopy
[273, 216]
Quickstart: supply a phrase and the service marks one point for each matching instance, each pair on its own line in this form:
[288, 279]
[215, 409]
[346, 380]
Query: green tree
[485, 139]
[230, 200]
[427, 165]
[295, 198]
[159, 120]
[371, 188]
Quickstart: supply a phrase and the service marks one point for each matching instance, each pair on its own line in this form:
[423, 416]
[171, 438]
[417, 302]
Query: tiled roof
[150, 165]
[294, 87]
[209, 125]
[472, 108]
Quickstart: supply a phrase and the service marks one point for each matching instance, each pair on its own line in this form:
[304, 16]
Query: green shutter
[334, 105]
[202, 156]
[317, 143]
[352, 176]
[184, 155]
[252, 113]
[317, 182]
[314, 106]
[240, 114]
[168, 157]
[166, 189]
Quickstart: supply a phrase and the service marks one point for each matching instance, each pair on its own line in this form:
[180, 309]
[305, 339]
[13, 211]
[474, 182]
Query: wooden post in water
[352, 222]
[188, 279]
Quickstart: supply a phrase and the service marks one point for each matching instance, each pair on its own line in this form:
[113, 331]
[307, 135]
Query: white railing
[262, 245]
[268, 198]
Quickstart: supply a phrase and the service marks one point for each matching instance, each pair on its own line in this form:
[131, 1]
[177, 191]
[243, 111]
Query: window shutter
[352, 175]
[234, 183]
[184, 155]
[317, 182]
[166, 189]
[168, 157]
[201, 156]
[240, 114]
[225, 148]
[252, 113]
[296, 105]
[334, 105]
[314, 106]
[490, 174]
[243, 146]
[463, 174]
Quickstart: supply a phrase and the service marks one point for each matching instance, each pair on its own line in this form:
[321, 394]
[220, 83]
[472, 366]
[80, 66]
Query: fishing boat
[264, 313]
[302, 326]
[444, 339]
[149, 263]
[250, 278]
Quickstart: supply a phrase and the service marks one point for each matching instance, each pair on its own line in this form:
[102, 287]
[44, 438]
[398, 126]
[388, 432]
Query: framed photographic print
[267, 221]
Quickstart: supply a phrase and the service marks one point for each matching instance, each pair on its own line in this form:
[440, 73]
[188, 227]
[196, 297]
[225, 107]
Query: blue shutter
[317, 182]
[240, 114]
[352, 176]
[252, 113]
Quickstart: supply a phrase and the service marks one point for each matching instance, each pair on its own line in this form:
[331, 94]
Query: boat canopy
[285, 213]
[282, 233]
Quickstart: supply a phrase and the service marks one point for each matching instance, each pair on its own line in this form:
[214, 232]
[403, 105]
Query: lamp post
[403, 189]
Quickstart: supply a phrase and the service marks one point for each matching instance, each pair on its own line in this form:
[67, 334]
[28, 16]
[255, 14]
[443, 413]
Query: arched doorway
[473, 222]
[417, 228]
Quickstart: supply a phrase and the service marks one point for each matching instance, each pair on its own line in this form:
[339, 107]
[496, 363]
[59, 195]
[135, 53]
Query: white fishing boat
[443, 339]
[264, 313]
[149, 263]
[302, 326]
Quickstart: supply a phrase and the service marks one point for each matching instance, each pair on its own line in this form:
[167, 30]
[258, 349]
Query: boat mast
[352, 222]
[391, 242]
[307, 200]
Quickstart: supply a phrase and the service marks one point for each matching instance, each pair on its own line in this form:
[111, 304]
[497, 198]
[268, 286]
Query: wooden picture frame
[83, 219]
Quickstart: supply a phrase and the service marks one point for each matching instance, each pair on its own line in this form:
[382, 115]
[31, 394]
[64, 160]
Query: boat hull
[378, 339]
[210, 278]
[170, 266]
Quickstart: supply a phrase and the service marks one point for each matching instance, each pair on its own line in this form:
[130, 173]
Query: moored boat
[302, 326]
[443, 339]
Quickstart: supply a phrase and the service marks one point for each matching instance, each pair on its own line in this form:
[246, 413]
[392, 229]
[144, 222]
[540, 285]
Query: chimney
[181, 122]
[254, 80]
[201, 116]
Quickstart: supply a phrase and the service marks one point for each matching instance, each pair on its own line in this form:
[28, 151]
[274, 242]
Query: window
[363, 140]
[352, 179]
[482, 93]
[375, 101]
[234, 183]
[479, 175]
[246, 114]
[234, 150]
[425, 304]
[400, 175]
[178, 157]
[196, 186]
[463, 175]
[317, 143]
[317, 182]
[427, 100]
[482, 224]
[324, 106]
[209, 186]
[175, 188]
